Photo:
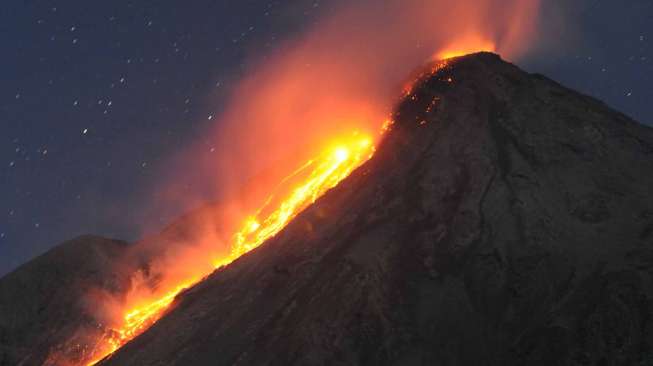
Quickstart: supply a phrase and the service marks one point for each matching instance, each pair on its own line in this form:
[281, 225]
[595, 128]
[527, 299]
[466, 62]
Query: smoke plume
[342, 75]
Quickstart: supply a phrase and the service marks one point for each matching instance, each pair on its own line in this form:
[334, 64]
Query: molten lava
[316, 177]
[136, 321]
[305, 185]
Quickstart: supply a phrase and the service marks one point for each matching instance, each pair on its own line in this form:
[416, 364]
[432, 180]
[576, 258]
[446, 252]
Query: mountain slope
[505, 220]
[46, 301]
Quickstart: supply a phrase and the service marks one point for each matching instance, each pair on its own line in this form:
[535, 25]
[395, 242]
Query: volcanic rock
[504, 220]
[45, 308]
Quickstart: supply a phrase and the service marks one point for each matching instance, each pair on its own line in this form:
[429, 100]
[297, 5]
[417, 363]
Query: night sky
[96, 97]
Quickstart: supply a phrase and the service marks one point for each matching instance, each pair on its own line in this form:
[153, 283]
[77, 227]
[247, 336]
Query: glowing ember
[305, 185]
[408, 88]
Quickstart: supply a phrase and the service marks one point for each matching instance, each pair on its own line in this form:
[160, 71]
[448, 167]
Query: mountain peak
[503, 220]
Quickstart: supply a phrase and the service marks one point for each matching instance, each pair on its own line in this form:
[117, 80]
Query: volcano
[503, 220]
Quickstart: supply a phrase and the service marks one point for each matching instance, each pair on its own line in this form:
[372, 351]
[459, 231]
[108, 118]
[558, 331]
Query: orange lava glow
[136, 321]
[464, 46]
[316, 177]
[305, 185]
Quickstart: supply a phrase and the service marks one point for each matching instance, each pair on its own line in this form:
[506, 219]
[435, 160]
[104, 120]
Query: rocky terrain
[45, 307]
[504, 220]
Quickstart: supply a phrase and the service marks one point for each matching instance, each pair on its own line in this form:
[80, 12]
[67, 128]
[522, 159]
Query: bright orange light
[341, 154]
[313, 179]
[465, 45]
[136, 321]
[306, 185]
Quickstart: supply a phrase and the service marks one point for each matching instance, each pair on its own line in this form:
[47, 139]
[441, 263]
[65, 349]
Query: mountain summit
[504, 220]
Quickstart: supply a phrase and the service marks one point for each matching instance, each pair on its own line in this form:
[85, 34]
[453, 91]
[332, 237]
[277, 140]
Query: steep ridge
[504, 220]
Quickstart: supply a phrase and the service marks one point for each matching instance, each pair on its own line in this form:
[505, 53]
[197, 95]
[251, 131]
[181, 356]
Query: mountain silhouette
[503, 220]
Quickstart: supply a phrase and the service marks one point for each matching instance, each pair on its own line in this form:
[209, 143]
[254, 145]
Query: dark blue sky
[97, 96]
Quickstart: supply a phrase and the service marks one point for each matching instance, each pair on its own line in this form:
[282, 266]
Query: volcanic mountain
[504, 220]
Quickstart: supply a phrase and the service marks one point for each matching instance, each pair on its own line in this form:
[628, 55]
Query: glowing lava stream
[324, 173]
[313, 179]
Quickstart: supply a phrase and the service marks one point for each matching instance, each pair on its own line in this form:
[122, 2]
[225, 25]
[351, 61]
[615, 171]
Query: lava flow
[305, 185]
[339, 75]
[315, 177]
